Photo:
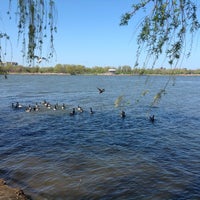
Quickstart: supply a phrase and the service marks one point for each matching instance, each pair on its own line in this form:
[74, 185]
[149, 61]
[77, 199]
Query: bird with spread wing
[101, 90]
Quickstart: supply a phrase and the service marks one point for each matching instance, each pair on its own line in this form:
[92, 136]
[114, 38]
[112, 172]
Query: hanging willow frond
[121, 102]
[145, 92]
[36, 25]
[164, 28]
[3, 37]
[118, 101]
[158, 96]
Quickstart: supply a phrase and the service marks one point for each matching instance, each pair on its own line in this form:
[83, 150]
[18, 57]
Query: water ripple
[52, 155]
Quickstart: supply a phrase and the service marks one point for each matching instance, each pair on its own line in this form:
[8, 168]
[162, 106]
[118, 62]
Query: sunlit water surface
[52, 155]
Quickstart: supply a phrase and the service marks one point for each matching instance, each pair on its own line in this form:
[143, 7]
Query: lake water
[54, 156]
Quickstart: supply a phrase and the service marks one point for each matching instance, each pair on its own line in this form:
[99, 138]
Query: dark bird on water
[17, 105]
[151, 118]
[91, 111]
[101, 90]
[72, 112]
[123, 114]
[80, 109]
[63, 106]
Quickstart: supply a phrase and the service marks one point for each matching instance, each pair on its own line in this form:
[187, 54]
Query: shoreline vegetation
[60, 69]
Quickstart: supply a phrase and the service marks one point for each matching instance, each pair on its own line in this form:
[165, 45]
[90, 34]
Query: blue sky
[89, 34]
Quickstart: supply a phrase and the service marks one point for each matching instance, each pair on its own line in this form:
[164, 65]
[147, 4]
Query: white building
[112, 71]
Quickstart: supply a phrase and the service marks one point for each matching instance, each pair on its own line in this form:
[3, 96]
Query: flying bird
[40, 59]
[101, 90]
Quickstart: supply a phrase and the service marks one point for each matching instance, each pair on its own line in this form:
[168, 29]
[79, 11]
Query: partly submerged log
[9, 193]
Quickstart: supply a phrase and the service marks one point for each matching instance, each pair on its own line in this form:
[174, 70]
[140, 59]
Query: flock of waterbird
[46, 105]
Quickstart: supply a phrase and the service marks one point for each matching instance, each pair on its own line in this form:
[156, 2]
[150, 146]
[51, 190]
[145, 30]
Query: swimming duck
[55, 107]
[91, 111]
[123, 114]
[80, 109]
[28, 109]
[44, 102]
[101, 90]
[72, 112]
[151, 118]
[48, 105]
[36, 107]
[17, 105]
[63, 106]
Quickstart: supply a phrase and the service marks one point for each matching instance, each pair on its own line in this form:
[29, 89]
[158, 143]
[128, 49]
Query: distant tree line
[80, 69]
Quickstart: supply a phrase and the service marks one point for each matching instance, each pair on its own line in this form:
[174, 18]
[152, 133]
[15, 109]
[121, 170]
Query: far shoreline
[103, 74]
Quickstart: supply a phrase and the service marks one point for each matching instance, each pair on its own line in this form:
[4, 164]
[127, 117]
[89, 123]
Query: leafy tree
[166, 27]
[59, 69]
[126, 69]
[36, 23]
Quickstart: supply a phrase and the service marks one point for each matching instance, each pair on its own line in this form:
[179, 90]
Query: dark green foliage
[36, 23]
[80, 69]
[164, 28]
